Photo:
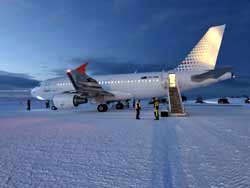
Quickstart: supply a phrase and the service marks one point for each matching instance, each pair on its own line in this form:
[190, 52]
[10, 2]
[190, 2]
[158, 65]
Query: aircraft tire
[119, 106]
[53, 108]
[102, 108]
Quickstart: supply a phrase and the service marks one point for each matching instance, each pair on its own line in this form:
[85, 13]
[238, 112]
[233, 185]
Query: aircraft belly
[142, 90]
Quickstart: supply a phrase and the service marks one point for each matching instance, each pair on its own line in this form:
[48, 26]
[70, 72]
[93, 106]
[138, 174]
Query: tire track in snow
[167, 170]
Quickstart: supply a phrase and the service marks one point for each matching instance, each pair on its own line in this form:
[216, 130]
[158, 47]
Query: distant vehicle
[247, 101]
[196, 70]
[199, 100]
[223, 101]
[183, 98]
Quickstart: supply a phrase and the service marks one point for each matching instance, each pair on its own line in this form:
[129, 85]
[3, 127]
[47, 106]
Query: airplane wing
[84, 84]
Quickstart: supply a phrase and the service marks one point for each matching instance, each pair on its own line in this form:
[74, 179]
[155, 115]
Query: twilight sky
[41, 39]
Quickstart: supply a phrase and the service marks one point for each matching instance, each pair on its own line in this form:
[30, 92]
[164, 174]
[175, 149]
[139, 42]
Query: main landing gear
[102, 108]
[119, 106]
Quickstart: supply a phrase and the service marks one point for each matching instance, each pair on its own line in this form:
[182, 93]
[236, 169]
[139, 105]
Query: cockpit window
[144, 77]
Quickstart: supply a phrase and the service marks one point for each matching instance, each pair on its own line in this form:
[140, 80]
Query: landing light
[233, 75]
[40, 98]
[68, 71]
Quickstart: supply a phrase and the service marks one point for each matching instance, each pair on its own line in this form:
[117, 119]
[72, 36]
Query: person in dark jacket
[133, 103]
[47, 104]
[156, 108]
[138, 109]
[28, 104]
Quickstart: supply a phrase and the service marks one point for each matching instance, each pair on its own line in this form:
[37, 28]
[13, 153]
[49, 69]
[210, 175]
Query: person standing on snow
[156, 108]
[28, 105]
[138, 109]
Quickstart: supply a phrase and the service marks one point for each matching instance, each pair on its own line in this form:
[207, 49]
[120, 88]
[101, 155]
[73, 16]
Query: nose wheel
[53, 108]
[102, 108]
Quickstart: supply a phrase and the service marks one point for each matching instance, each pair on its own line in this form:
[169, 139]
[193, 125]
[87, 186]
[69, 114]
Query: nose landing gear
[53, 108]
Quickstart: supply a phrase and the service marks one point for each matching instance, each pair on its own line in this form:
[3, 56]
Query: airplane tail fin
[204, 55]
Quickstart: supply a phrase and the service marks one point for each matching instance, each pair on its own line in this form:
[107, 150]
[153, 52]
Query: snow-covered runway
[77, 148]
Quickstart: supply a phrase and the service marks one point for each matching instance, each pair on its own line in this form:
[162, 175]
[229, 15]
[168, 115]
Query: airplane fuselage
[137, 85]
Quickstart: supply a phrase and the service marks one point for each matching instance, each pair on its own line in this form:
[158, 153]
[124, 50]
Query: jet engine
[63, 101]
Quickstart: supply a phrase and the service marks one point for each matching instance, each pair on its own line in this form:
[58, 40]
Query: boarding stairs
[175, 107]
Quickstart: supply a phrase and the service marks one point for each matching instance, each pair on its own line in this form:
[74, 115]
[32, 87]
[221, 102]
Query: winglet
[82, 69]
[69, 73]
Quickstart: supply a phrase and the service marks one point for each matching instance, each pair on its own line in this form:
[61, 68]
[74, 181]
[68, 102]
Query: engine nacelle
[63, 101]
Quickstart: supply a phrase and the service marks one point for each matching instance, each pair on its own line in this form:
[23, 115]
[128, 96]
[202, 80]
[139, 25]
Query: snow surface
[84, 148]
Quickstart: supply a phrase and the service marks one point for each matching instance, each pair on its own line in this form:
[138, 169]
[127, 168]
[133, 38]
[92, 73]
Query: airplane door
[172, 79]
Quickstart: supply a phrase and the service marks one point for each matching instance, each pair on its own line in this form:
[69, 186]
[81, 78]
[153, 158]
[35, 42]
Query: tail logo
[204, 54]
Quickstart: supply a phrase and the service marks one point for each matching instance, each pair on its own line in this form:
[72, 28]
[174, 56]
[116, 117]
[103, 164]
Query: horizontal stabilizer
[212, 74]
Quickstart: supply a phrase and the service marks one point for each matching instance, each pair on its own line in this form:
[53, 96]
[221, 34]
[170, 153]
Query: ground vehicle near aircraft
[223, 101]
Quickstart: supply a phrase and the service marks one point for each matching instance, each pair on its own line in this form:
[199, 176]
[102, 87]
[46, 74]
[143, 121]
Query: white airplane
[196, 70]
